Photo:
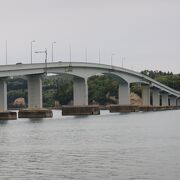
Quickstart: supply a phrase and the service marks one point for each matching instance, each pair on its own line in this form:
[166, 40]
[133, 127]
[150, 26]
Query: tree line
[102, 89]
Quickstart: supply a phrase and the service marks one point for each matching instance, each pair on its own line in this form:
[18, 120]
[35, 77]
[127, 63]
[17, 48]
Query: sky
[141, 34]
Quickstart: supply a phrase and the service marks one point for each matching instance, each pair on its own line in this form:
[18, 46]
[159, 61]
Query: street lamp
[112, 59]
[86, 55]
[70, 53]
[123, 58]
[31, 49]
[6, 52]
[45, 52]
[99, 55]
[53, 50]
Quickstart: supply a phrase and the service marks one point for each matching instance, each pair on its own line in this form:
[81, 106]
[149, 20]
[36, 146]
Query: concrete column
[34, 91]
[124, 94]
[80, 91]
[172, 101]
[3, 96]
[145, 95]
[155, 97]
[164, 99]
[178, 102]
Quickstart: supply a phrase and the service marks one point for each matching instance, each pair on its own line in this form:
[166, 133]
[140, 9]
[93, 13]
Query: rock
[135, 99]
[56, 104]
[94, 102]
[113, 99]
[19, 102]
[70, 102]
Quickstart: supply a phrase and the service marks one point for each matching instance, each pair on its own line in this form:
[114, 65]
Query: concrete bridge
[80, 72]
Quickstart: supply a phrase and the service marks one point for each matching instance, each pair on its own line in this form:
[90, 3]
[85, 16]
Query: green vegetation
[16, 88]
[169, 79]
[101, 88]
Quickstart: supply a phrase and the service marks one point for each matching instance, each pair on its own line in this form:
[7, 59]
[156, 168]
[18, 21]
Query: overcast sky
[145, 32]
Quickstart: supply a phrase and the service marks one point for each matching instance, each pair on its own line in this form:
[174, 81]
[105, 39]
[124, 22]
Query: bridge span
[80, 72]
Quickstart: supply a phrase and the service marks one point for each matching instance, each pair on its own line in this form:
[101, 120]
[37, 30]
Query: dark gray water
[109, 146]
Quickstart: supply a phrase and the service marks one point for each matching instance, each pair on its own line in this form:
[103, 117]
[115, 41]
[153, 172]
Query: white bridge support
[155, 97]
[145, 95]
[172, 100]
[178, 102]
[3, 96]
[80, 91]
[35, 91]
[124, 94]
[164, 97]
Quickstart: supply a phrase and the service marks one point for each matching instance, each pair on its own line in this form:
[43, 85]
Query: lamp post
[99, 55]
[112, 59]
[70, 53]
[6, 52]
[86, 55]
[123, 58]
[53, 50]
[45, 52]
[31, 49]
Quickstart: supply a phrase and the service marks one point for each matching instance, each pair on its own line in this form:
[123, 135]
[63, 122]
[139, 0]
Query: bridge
[80, 72]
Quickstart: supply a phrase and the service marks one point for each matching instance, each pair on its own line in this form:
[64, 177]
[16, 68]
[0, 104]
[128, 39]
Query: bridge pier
[178, 102]
[124, 94]
[145, 94]
[4, 114]
[123, 105]
[80, 91]
[164, 97]
[3, 95]
[155, 97]
[34, 91]
[80, 98]
[35, 103]
[172, 100]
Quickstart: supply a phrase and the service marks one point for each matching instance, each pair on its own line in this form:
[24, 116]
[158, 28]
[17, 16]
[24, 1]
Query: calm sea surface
[109, 146]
